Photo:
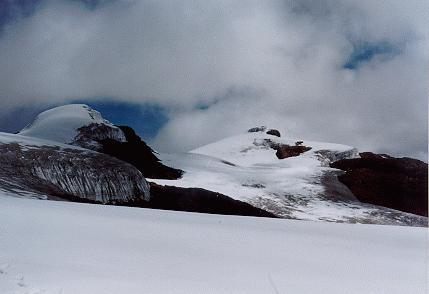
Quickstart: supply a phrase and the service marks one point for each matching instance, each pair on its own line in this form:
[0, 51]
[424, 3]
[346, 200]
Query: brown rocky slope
[398, 183]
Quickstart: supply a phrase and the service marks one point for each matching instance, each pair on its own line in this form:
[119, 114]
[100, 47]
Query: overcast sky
[352, 72]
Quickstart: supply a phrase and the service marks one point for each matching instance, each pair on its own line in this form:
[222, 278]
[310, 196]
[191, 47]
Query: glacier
[41, 167]
[245, 167]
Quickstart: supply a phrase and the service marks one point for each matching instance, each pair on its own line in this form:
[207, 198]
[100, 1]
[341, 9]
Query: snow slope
[59, 247]
[245, 168]
[34, 142]
[248, 149]
[61, 123]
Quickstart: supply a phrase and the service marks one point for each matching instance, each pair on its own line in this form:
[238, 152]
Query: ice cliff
[39, 167]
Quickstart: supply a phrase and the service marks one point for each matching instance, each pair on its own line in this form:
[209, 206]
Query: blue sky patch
[11, 10]
[146, 119]
[365, 51]
[15, 119]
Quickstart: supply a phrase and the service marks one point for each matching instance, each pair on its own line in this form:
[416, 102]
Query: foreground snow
[57, 247]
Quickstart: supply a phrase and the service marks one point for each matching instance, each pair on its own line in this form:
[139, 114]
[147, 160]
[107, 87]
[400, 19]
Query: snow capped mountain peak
[72, 124]
[266, 168]
[262, 145]
[289, 177]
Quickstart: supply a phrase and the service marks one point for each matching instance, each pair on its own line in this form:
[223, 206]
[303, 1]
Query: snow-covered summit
[258, 147]
[66, 124]
[249, 167]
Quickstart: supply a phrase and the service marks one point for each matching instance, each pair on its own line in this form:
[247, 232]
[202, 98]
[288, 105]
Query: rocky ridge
[398, 183]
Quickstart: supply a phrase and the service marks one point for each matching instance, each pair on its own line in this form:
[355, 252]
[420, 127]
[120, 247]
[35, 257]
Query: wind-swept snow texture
[62, 124]
[59, 247]
[246, 168]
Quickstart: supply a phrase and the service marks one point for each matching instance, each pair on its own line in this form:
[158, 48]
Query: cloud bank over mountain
[341, 71]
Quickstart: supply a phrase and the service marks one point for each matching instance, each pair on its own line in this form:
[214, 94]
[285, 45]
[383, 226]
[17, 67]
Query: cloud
[221, 67]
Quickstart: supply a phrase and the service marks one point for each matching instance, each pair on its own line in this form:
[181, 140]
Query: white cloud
[286, 55]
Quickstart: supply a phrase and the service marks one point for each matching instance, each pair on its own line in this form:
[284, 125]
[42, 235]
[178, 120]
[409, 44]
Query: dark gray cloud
[353, 72]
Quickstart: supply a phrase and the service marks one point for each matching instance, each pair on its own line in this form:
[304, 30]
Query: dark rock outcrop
[123, 143]
[273, 132]
[198, 200]
[285, 151]
[257, 129]
[282, 150]
[398, 183]
[90, 135]
[328, 156]
[139, 154]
